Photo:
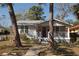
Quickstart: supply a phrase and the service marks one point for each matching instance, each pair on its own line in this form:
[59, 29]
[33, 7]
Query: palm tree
[14, 25]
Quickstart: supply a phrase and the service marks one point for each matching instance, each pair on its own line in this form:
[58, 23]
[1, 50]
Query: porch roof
[58, 21]
[35, 22]
[29, 22]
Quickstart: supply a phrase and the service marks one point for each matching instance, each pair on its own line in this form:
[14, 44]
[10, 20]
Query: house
[1, 28]
[74, 33]
[38, 29]
[74, 29]
[1, 32]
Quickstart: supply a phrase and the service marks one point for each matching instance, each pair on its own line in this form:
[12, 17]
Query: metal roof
[31, 22]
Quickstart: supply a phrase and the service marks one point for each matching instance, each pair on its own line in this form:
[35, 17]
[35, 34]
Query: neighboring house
[74, 33]
[38, 29]
[1, 28]
[1, 31]
[74, 29]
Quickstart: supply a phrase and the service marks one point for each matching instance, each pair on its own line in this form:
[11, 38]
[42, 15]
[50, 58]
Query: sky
[18, 7]
[66, 7]
[21, 7]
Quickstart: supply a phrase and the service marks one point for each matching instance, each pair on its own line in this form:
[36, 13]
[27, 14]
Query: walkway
[34, 51]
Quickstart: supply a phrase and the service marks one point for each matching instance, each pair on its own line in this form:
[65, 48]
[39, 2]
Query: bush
[26, 39]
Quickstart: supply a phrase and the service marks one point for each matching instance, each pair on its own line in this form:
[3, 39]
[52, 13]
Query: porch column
[24, 29]
[68, 35]
[19, 29]
[36, 31]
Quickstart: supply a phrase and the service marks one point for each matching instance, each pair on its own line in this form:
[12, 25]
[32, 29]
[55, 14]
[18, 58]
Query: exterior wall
[32, 31]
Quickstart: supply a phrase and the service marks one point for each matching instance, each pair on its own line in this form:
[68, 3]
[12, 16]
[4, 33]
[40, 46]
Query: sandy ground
[38, 50]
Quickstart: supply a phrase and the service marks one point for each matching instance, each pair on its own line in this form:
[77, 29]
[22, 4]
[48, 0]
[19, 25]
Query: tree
[75, 9]
[51, 26]
[14, 25]
[19, 16]
[63, 10]
[70, 21]
[35, 13]
[76, 22]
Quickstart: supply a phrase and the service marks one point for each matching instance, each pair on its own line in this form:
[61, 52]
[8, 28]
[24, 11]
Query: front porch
[41, 32]
[61, 33]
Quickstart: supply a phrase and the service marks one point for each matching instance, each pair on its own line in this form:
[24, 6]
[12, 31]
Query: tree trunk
[51, 22]
[14, 25]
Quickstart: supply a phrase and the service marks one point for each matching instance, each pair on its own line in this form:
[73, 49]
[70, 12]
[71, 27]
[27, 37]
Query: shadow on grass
[64, 52]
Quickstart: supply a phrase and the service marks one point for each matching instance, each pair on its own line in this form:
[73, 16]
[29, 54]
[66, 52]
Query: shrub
[25, 38]
[28, 40]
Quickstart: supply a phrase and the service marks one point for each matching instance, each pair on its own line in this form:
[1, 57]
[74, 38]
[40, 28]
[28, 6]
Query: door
[44, 32]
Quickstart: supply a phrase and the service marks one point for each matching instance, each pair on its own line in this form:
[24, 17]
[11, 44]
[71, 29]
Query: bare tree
[63, 10]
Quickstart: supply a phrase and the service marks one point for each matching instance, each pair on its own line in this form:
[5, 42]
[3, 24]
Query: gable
[43, 23]
[58, 24]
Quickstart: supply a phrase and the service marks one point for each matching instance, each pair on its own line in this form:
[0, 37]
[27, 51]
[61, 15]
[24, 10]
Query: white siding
[19, 30]
[32, 31]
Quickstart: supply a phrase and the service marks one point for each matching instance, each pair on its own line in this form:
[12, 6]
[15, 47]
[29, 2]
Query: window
[22, 29]
[26, 29]
[56, 28]
[62, 28]
[59, 28]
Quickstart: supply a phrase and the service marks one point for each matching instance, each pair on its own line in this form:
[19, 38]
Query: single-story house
[39, 29]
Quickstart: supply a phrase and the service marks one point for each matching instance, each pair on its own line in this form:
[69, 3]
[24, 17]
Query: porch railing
[60, 34]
